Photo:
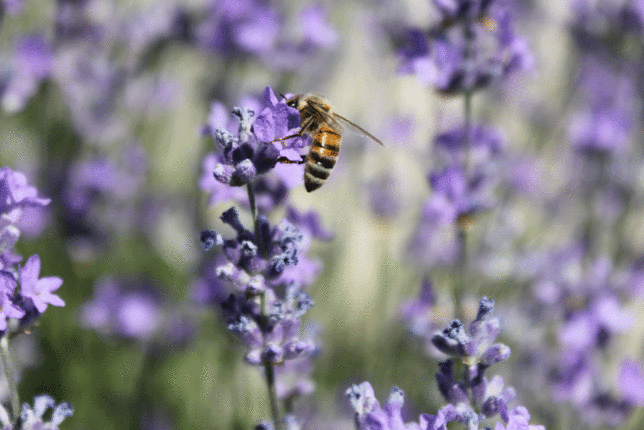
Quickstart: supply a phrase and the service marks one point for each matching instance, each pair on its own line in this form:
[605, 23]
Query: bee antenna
[283, 96]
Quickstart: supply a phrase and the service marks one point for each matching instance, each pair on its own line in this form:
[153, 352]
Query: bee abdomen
[322, 157]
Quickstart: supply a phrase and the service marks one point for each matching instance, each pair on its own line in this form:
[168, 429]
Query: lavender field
[163, 266]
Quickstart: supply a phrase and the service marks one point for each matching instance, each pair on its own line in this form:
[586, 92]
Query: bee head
[293, 101]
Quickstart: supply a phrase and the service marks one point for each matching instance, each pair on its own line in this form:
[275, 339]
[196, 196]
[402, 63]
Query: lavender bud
[225, 139]
[496, 353]
[273, 354]
[210, 238]
[244, 172]
[223, 173]
[248, 249]
[256, 285]
[490, 406]
[453, 340]
[486, 308]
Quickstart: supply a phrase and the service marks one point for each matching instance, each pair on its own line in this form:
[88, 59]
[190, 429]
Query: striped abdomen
[322, 157]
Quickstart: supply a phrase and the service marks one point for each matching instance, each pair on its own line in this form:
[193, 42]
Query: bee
[325, 127]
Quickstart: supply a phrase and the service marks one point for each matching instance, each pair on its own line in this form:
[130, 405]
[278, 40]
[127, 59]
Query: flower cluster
[24, 295]
[32, 418]
[252, 29]
[35, 294]
[473, 44]
[463, 185]
[254, 150]
[257, 266]
[584, 302]
[466, 395]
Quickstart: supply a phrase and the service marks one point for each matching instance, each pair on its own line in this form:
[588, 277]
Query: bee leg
[285, 160]
[282, 139]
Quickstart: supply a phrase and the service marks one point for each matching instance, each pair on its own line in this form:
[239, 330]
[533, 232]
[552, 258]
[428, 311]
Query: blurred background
[106, 107]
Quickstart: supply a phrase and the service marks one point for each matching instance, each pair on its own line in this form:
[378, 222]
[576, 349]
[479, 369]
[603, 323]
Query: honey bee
[325, 127]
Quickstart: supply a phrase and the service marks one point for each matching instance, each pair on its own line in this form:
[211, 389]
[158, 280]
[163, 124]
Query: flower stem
[251, 202]
[272, 395]
[253, 210]
[269, 371]
[7, 364]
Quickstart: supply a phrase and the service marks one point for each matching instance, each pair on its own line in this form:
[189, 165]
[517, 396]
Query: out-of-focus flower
[253, 29]
[631, 382]
[15, 193]
[459, 194]
[472, 45]
[32, 62]
[32, 418]
[384, 196]
[608, 117]
[602, 26]
[11, 7]
[134, 313]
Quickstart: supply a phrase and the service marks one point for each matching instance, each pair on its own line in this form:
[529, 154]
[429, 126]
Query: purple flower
[7, 308]
[518, 419]
[631, 382]
[32, 63]
[473, 45]
[258, 264]
[607, 121]
[257, 257]
[15, 193]
[316, 29]
[12, 7]
[253, 150]
[32, 418]
[276, 338]
[595, 24]
[242, 30]
[135, 314]
[39, 290]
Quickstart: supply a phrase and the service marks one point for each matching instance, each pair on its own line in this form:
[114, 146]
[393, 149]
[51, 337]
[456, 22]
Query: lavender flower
[16, 194]
[275, 338]
[251, 29]
[7, 307]
[31, 64]
[135, 314]
[253, 151]
[39, 291]
[368, 413]
[268, 326]
[607, 119]
[457, 56]
[32, 418]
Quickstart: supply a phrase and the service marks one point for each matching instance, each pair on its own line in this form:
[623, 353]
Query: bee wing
[339, 122]
[356, 128]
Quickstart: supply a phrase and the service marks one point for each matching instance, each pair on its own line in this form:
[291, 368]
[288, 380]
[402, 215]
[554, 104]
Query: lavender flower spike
[32, 419]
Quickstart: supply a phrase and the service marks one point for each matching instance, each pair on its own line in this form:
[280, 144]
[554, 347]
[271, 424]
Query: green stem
[269, 371]
[251, 202]
[7, 364]
[462, 234]
[272, 395]
[253, 210]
